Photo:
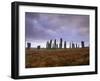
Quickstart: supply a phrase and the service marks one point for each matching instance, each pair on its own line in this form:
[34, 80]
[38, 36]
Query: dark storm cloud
[42, 26]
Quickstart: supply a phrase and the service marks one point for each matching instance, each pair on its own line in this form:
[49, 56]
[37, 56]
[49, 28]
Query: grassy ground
[56, 57]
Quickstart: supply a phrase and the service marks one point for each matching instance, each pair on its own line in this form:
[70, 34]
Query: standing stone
[73, 46]
[70, 45]
[64, 44]
[47, 44]
[50, 45]
[38, 47]
[82, 44]
[55, 43]
[28, 45]
[76, 45]
[60, 44]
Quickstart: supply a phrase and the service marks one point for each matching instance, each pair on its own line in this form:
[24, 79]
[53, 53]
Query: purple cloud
[46, 26]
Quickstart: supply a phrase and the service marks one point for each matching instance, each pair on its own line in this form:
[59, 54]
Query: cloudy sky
[40, 27]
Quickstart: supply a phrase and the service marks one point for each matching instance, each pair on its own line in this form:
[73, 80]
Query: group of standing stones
[51, 44]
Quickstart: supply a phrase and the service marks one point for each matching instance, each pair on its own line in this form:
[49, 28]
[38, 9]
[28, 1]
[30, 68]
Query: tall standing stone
[55, 43]
[64, 44]
[73, 45]
[70, 46]
[82, 44]
[60, 44]
[76, 45]
[47, 44]
[50, 45]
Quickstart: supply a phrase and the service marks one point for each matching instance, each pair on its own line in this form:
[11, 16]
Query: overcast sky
[40, 27]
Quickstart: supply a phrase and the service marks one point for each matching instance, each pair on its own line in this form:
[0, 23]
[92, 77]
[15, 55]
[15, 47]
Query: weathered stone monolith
[82, 44]
[50, 44]
[38, 47]
[64, 44]
[28, 45]
[76, 46]
[70, 46]
[73, 46]
[60, 44]
[55, 43]
[47, 44]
